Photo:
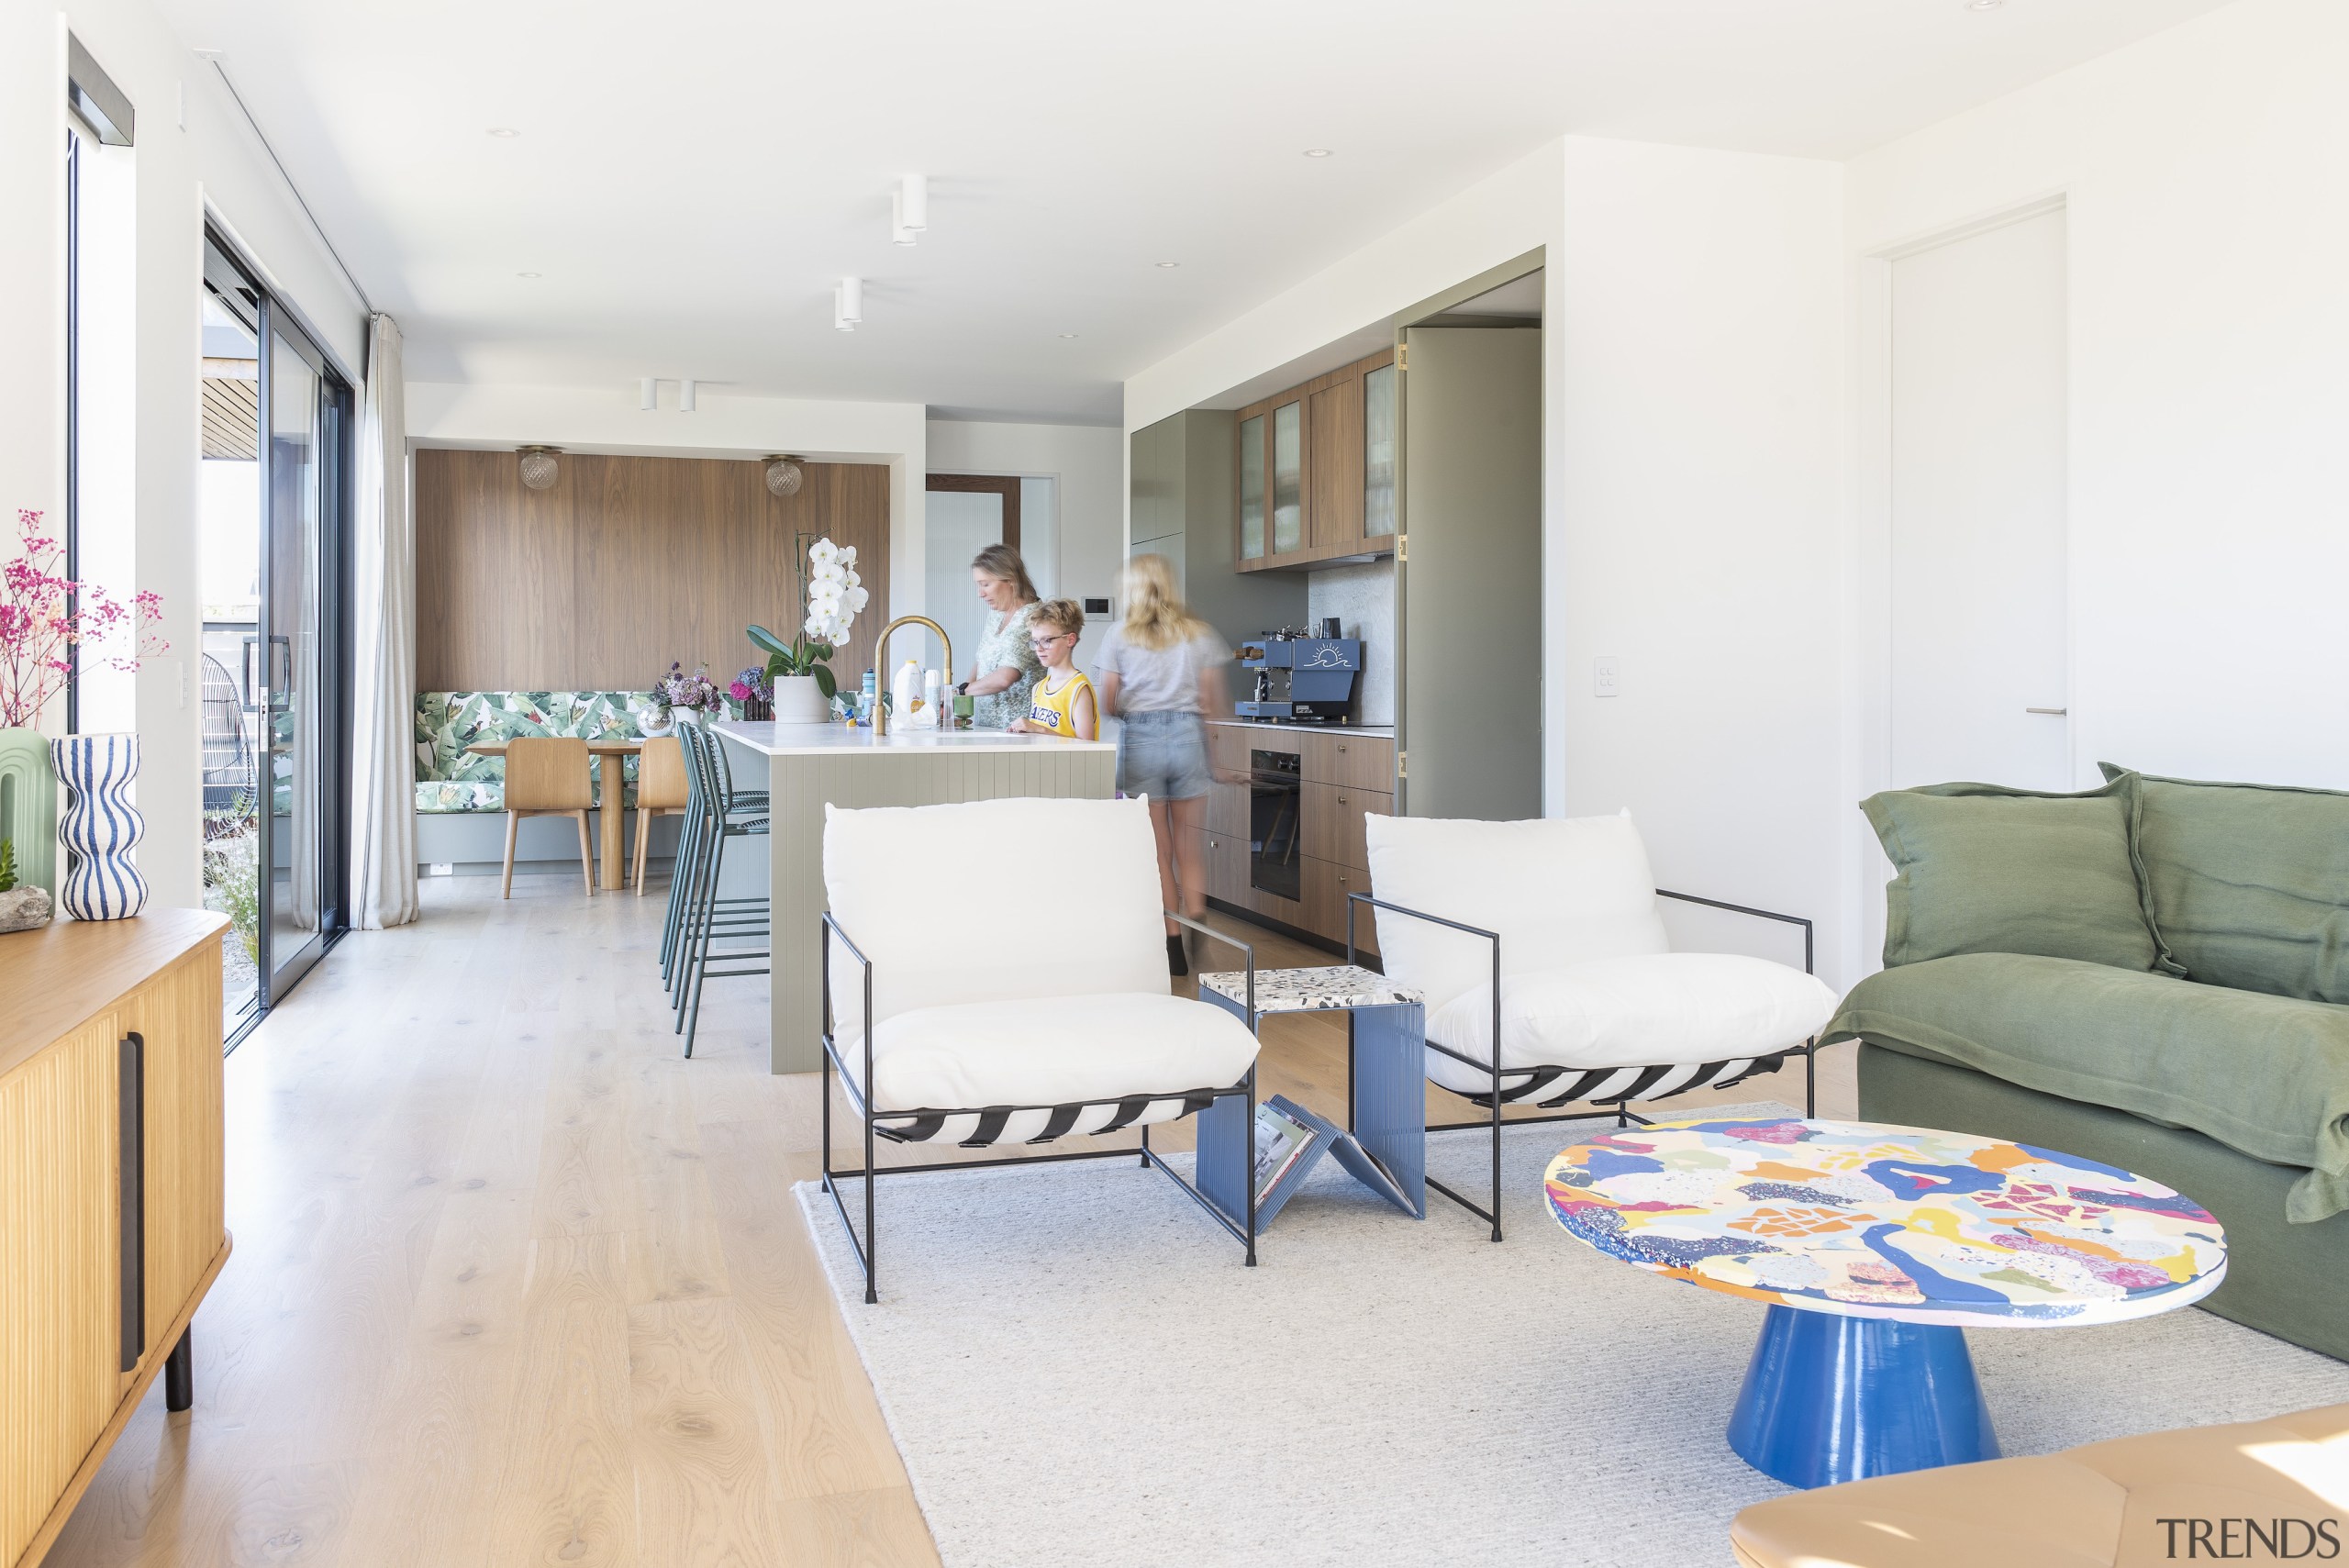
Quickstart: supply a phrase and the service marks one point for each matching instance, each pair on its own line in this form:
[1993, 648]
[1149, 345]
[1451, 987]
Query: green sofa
[450, 778]
[2153, 976]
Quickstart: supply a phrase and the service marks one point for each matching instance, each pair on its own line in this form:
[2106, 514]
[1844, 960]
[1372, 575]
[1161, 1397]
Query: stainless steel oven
[1276, 790]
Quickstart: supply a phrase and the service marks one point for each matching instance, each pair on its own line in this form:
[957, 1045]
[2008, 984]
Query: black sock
[1175, 962]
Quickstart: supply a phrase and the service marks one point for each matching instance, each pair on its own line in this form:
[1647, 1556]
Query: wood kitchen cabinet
[1316, 474]
[111, 1161]
[1343, 778]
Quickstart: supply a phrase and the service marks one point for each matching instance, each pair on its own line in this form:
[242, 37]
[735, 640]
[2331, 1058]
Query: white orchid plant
[834, 594]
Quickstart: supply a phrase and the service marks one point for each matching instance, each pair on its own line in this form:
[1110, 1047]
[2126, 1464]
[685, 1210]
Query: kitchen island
[806, 766]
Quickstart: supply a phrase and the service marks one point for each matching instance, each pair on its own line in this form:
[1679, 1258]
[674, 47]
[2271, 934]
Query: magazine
[1291, 1139]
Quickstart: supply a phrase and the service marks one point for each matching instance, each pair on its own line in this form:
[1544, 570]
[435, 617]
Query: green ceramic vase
[29, 806]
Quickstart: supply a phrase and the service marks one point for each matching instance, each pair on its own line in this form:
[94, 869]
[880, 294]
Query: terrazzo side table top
[1340, 986]
[1874, 1248]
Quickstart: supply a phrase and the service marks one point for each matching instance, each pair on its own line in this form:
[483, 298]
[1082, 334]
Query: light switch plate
[1607, 679]
[444, 868]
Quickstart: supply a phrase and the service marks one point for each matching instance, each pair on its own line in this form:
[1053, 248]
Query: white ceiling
[692, 177]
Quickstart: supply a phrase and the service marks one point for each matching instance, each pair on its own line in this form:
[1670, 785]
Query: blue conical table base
[1830, 1399]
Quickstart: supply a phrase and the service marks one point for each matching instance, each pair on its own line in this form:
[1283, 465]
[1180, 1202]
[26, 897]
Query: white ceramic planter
[797, 700]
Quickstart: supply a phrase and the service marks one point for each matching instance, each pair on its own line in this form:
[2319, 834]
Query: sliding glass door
[284, 883]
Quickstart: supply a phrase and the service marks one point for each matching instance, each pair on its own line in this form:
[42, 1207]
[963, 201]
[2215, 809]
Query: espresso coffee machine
[1302, 678]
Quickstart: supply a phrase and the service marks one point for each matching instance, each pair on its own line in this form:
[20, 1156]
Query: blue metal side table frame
[1386, 1074]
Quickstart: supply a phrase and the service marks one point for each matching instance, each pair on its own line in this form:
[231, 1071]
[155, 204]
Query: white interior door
[1980, 658]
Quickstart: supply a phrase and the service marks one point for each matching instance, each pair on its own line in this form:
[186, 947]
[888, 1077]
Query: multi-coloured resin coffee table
[1876, 1248]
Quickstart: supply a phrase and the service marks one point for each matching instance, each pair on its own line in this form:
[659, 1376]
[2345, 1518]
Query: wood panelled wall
[624, 565]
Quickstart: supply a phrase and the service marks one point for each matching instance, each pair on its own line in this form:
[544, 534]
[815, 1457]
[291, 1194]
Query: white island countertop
[834, 740]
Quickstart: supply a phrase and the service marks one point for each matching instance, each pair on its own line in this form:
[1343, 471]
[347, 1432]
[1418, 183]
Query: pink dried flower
[44, 617]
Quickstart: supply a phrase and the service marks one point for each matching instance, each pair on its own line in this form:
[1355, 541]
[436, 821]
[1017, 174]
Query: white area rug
[1079, 1372]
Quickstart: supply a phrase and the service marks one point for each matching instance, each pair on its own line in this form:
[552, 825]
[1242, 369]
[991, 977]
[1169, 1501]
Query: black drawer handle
[130, 1152]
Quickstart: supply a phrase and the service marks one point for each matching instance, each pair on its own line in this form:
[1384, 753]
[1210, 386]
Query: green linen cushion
[1986, 869]
[2249, 882]
[2267, 1076]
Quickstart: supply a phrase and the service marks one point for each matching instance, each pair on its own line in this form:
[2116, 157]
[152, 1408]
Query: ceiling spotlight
[913, 201]
[530, 274]
[1317, 152]
[1170, 264]
[898, 233]
[784, 474]
[848, 303]
[210, 53]
[648, 392]
[538, 469]
[504, 132]
[1068, 334]
[1984, 4]
[685, 402]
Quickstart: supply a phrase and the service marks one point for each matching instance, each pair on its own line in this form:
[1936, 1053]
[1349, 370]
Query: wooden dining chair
[660, 792]
[547, 776]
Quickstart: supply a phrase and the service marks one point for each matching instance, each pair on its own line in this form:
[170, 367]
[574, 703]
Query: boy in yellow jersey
[1062, 703]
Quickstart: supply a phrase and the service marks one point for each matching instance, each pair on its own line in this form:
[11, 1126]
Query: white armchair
[1550, 980]
[1017, 1005]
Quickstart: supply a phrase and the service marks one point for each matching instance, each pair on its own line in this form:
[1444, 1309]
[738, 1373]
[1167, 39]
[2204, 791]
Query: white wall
[1699, 522]
[179, 170]
[607, 419]
[1078, 550]
[2203, 173]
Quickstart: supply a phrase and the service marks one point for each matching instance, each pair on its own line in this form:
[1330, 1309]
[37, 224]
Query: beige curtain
[383, 686]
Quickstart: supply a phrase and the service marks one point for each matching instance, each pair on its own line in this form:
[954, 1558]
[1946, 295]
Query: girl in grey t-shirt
[1159, 672]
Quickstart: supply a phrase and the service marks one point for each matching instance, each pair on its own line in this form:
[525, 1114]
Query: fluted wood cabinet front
[110, 1161]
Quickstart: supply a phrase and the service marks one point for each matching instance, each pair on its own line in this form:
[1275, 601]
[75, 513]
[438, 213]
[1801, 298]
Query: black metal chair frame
[707, 918]
[859, 1093]
[1807, 1051]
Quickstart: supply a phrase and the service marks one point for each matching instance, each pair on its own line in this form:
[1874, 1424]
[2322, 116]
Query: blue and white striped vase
[99, 827]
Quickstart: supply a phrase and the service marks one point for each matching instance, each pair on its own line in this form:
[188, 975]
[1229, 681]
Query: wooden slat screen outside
[624, 565]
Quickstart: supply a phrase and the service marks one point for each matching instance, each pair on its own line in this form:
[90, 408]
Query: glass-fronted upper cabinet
[1252, 488]
[1378, 452]
[1289, 478]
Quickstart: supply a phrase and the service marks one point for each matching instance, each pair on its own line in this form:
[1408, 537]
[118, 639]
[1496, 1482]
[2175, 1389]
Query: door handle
[130, 1189]
[2052, 712]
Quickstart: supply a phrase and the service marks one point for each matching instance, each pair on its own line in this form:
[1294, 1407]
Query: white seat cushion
[1559, 890]
[1051, 1050]
[1645, 1011]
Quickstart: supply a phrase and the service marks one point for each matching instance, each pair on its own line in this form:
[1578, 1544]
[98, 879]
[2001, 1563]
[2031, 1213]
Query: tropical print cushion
[448, 722]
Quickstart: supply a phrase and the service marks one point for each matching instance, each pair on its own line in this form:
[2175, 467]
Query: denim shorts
[1162, 755]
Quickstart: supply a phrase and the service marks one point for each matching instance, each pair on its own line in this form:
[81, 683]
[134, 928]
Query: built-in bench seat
[449, 779]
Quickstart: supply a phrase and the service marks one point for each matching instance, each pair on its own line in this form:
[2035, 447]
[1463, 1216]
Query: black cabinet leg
[179, 1374]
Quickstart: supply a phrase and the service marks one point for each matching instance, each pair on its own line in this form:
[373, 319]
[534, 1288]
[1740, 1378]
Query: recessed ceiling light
[1170, 264]
[1068, 334]
[1984, 4]
[530, 274]
[1317, 152]
[504, 132]
[210, 53]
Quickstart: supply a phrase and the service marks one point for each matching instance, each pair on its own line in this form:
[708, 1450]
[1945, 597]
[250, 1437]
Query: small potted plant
[799, 680]
[750, 694]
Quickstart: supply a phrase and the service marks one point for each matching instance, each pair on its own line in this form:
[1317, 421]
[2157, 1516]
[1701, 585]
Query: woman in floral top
[1005, 668]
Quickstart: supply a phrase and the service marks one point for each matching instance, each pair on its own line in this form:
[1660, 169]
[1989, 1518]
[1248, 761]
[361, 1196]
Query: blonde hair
[1058, 615]
[1156, 616]
[1002, 561]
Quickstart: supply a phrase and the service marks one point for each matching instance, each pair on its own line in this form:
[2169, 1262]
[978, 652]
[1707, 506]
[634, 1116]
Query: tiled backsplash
[1362, 598]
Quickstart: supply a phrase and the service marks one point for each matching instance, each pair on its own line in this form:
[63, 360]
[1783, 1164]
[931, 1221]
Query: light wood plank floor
[514, 1283]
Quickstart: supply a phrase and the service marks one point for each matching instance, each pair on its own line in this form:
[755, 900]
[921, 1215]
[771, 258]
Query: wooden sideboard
[1345, 775]
[112, 1223]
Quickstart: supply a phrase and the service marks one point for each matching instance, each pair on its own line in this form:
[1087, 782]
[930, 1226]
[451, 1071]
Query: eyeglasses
[1040, 643]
